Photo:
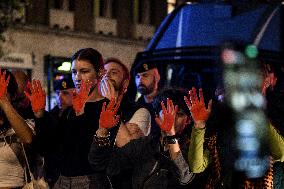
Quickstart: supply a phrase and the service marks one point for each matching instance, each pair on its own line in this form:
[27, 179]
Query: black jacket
[67, 140]
[150, 167]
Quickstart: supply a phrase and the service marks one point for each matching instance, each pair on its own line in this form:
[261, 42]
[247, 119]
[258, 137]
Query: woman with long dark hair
[14, 131]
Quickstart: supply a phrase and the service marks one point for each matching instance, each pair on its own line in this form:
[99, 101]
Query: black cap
[144, 66]
[63, 84]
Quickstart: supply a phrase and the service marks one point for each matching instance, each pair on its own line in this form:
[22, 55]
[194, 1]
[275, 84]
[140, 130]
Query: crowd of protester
[97, 138]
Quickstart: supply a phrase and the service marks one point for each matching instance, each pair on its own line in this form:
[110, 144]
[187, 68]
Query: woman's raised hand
[3, 84]
[197, 107]
[167, 121]
[80, 97]
[37, 96]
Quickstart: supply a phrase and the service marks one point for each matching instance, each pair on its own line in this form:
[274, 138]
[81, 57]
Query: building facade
[47, 32]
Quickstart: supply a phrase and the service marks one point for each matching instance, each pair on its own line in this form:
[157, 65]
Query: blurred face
[126, 133]
[64, 98]
[181, 120]
[115, 74]
[83, 70]
[21, 79]
[145, 82]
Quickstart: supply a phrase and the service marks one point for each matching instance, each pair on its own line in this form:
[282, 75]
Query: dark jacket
[67, 140]
[150, 167]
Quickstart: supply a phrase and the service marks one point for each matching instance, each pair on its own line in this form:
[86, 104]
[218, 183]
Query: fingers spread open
[187, 101]
[116, 107]
[104, 107]
[201, 98]
[164, 110]
[209, 106]
[28, 95]
[158, 120]
[7, 81]
[116, 120]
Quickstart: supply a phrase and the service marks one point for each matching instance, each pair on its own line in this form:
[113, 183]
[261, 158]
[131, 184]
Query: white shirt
[11, 171]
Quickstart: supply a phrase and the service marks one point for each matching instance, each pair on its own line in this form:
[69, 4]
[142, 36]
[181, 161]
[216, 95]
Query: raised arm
[20, 126]
[167, 124]
[101, 150]
[37, 98]
[197, 156]
[80, 97]
[276, 144]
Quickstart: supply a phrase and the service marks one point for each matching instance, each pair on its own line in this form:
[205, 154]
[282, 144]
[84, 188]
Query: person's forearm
[21, 128]
[174, 149]
[102, 132]
[198, 158]
[39, 114]
[185, 175]
[276, 144]
[123, 136]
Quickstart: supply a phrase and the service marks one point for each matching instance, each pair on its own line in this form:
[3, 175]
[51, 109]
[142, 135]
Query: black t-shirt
[69, 138]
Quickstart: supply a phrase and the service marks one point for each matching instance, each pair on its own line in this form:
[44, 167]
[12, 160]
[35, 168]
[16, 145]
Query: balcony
[61, 19]
[143, 31]
[106, 26]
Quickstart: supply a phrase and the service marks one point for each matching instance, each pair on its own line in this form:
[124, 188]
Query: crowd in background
[97, 138]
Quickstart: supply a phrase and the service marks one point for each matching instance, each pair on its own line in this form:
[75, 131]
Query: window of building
[105, 8]
[114, 9]
[142, 11]
[63, 4]
[102, 8]
[71, 5]
[57, 4]
[171, 5]
[152, 12]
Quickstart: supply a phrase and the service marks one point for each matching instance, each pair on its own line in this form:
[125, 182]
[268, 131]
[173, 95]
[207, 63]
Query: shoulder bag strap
[27, 164]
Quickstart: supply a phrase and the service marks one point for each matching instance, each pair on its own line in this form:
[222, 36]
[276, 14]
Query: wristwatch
[171, 139]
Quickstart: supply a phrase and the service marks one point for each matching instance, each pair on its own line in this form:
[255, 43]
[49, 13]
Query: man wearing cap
[64, 90]
[147, 78]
